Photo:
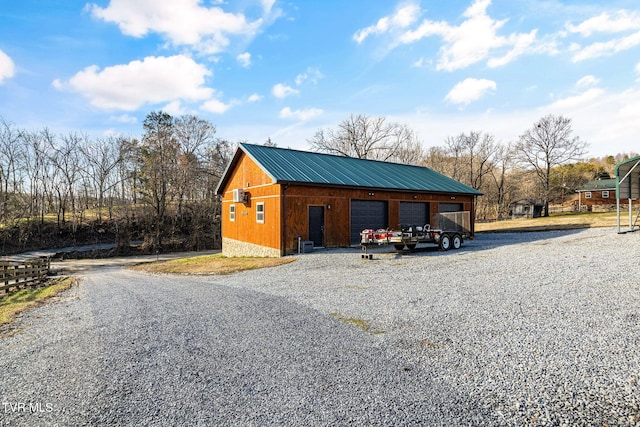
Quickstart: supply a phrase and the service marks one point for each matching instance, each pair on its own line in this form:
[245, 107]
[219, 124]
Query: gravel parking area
[513, 329]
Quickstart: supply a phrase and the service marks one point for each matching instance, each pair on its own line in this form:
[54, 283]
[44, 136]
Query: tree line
[546, 163]
[159, 188]
[69, 189]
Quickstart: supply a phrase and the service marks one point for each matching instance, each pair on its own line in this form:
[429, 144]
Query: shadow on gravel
[484, 241]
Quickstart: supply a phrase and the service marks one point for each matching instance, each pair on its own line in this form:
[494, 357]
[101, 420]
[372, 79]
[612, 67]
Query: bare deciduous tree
[158, 169]
[194, 137]
[373, 138]
[11, 154]
[103, 158]
[547, 144]
[503, 185]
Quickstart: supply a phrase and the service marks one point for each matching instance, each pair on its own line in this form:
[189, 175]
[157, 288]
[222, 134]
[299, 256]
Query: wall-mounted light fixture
[329, 206]
[372, 194]
[453, 197]
[415, 197]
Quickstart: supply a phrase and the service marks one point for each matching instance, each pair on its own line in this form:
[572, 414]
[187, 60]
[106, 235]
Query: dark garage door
[414, 213]
[367, 214]
[450, 207]
[449, 222]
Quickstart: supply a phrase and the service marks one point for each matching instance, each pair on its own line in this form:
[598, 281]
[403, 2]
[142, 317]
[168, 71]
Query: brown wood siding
[254, 181]
[293, 202]
[337, 218]
[597, 199]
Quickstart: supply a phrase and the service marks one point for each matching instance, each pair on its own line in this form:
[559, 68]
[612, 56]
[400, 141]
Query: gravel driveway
[513, 329]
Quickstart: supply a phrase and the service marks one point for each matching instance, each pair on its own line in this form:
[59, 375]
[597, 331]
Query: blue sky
[261, 69]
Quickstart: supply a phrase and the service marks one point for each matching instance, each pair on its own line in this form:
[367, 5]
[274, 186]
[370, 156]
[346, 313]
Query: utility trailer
[452, 229]
[409, 236]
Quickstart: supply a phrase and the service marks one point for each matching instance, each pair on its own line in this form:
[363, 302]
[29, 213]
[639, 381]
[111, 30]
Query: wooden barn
[274, 198]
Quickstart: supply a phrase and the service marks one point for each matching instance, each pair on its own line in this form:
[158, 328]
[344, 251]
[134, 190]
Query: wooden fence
[16, 275]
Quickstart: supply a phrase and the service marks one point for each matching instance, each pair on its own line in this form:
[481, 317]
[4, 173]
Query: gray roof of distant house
[599, 184]
[304, 167]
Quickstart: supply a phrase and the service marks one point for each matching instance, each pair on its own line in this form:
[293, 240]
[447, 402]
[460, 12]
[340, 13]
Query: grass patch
[360, 323]
[210, 264]
[13, 304]
[566, 221]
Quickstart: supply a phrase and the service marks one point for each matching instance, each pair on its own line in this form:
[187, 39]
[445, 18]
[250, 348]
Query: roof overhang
[240, 151]
[393, 190]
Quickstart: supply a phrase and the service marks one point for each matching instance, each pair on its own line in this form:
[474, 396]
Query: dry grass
[211, 264]
[25, 299]
[554, 222]
[360, 323]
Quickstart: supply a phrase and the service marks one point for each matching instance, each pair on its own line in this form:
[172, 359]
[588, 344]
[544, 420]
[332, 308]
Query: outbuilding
[628, 189]
[526, 208]
[599, 193]
[273, 199]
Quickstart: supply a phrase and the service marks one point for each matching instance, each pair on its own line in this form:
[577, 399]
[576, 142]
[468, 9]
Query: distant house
[274, 198]
[526, 208]
[599, 194]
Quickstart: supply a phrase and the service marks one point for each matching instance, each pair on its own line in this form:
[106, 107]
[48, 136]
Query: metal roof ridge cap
[246, 148]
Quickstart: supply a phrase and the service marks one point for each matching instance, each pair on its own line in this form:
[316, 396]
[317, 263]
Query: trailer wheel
[456, 242]
[411, 247]
[445, 242]
[398, 247]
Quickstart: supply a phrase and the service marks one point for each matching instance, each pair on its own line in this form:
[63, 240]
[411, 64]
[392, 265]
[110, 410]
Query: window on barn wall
[232, 213]
[260, 213]
[587, 194]
[605, 194]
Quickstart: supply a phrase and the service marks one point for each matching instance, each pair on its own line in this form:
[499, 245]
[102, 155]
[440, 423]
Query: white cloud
[419, 63]
[312, 74]
[607, 48]
[282, 91]
[215, 106]
[404, 16]
[184, 22]
[150, 81]
[7, 68]
[303, 115]
[608, 121]
[470, 90]
[474, 40]
[521, 43]
[244, 59]
[124, 118]
[175, 108]
[590, 96]
[254, 97]
[588, 80]
[621, 21]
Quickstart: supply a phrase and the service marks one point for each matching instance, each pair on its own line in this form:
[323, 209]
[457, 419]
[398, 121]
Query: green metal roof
[628, 178]
[599, 184]
[304, 167]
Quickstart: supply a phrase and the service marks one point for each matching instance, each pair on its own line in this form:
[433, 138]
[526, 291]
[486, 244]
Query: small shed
[274, 199]
[526, 208]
